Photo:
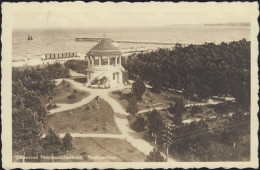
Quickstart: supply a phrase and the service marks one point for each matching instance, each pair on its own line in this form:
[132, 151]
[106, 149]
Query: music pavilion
[104, 65]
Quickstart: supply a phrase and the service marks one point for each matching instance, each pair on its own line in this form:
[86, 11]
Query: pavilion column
[120, 60]
[120, 77]
[108, 61]
[116, 61]
[88, 78]
[99, 60]
[92, 61]
[88, 61]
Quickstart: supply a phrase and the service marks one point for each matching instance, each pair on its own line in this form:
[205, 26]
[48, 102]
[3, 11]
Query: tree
[67, 142]
[52, 144]
[177, 111]
[26, 133]
[84, 156]
[137, 122]
[201, 70]
[28, 120]
[155, 156]
[132, 106]
[195, 110]
[223, 108]
[76, 65]
[155, 124]
[138, 89]
[32, 91]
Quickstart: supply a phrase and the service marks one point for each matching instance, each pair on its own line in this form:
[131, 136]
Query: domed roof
[104, 48]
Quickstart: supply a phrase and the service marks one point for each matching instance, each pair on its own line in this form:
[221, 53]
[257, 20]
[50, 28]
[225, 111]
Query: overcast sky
[52, 15]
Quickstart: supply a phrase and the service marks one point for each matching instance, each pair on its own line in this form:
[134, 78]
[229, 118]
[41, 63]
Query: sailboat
[29, 38]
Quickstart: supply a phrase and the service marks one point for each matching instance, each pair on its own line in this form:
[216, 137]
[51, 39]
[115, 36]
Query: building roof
[104, 48]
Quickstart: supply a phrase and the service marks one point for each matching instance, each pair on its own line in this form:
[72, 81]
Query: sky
[84, 15]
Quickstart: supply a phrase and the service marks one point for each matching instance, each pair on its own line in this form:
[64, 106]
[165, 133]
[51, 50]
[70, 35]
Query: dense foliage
[137, 122]
[138, 89]
[197, 142]
[78, 66]
[155, 124]
[32, 91]
[155, 156]
[132, 106]
[52, 144]
[176, 110]
[201, 70]
[205, 140]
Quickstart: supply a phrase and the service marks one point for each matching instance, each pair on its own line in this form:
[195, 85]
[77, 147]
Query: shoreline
[39, 61]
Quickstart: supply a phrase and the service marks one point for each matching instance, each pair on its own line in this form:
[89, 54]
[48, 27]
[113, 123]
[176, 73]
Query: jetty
[119, 41]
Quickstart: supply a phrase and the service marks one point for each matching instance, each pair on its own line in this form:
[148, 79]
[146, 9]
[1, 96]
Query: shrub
[195, 110]
[51, 106]
[84, 156]
[132, 106]
[76, 65]
[52, 143]
[67, 142]
[138, 122]
[155, 156]
[87, 108]
[72, 96]
[138, 89]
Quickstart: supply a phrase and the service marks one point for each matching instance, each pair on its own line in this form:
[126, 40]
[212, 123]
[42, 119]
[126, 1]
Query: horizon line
[87, 27]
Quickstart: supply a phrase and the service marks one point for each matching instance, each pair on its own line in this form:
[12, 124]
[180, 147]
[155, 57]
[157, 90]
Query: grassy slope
[65, 89]
[85, 121]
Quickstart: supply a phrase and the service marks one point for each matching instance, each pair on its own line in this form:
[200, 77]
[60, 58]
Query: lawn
[120, 97]
[106, 150]
[67, 93]
[93, 117]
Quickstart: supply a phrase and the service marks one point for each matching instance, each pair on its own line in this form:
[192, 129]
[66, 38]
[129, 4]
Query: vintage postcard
[129, 85]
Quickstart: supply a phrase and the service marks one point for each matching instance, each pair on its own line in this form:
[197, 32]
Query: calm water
[62, 40]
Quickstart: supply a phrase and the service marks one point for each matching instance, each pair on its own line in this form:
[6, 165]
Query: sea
[61, 40]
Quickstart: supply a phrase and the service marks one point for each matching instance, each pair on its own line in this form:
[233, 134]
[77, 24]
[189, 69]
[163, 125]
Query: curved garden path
[127, 133]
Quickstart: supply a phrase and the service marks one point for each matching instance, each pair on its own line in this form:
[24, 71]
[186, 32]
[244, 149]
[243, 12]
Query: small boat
[29, 38]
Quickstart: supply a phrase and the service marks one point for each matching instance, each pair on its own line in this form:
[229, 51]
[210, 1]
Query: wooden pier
[92, 39]
[118, 41]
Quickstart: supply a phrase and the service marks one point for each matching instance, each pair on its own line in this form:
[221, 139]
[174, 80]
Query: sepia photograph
[135, 85]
